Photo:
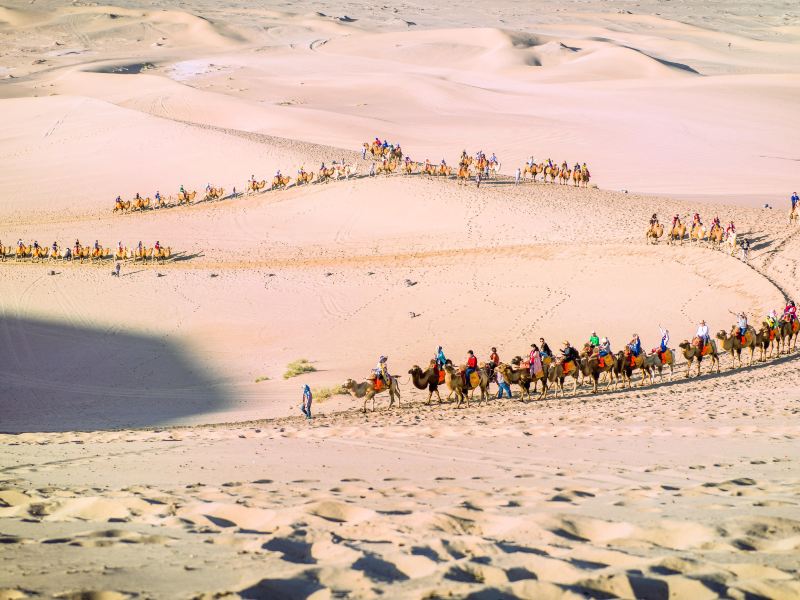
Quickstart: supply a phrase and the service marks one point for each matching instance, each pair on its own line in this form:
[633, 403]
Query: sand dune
[152, 447]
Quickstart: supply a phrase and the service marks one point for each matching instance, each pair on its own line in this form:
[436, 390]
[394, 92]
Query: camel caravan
[578, 175]
[594, 366]
[80, 253]
[695, 234]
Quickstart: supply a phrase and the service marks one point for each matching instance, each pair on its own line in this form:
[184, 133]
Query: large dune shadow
[56, 377]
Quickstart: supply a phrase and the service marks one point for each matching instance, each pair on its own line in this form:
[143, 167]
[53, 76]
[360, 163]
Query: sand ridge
[151, 446]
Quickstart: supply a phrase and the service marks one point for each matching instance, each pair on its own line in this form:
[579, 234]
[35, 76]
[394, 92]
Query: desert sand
[152, 448]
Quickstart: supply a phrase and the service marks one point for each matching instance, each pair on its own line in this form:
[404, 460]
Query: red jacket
[472, 362]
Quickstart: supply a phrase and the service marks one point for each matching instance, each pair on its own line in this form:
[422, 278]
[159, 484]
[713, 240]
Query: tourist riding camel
[703, 333]
[472, 366]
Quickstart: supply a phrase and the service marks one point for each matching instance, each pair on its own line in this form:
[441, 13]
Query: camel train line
[390, 159]
[325, 174]
[616, 370]
[81, 253]
[697, 234]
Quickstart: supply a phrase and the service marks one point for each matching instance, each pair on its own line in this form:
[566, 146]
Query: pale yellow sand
[165, 470]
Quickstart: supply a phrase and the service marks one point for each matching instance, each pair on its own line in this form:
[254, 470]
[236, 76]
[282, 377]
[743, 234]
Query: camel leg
[366, 399]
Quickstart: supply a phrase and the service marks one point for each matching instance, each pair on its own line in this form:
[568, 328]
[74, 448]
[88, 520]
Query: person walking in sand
[517, 176]
[744, 247]
[305, 407]
[478, 179]
[502, 385]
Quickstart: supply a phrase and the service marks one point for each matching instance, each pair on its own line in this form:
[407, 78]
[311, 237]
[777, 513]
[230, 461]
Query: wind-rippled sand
[142, 459]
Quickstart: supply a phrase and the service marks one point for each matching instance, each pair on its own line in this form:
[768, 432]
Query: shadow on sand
[59, 377]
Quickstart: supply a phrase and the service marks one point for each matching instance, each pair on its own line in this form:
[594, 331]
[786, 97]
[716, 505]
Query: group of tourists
[77, 250]
[596, 345]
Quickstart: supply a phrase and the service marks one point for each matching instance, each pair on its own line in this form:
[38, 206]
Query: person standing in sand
[517, 176]
[307, 398]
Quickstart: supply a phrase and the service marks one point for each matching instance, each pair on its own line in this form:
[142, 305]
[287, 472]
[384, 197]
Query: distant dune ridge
[153, 448]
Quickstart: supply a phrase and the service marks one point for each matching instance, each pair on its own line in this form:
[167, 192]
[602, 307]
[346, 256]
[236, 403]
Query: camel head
[722, 335]
[349, 384]
[415, 370]
[685, 345]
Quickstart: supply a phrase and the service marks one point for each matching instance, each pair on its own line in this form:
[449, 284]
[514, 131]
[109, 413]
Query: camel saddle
[377, 383]
[474, 379]
[601, 361]
[665, 356]
[441, 376]
[568, 366]
[706, 349]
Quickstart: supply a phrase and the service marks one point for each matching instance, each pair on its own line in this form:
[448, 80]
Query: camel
[698, 233]
[585, 176]
[254, 186]
[186, 197]
[731, 242]
[215, 193]
[427, 380]
[463, 175]
[39, 253]
[654, 233]
[592, 366]
[692, 353]
[140, 203]
[455, 382]
[735, 344]
[551, 172]
[765, 337]
[279, 181]
[303, 177]
[121, 206]
[787, 334]
[557, 373]
[444, 171]
[677, 233]
[387, 166]
[409, 166]
[715, 236]
[628, 363]
[656, 363]
[564, 176]
[521, 376]
[162, 254]
[371, 388]
[533, 171]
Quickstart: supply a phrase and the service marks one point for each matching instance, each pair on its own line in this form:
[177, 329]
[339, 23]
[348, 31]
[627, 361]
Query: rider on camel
[568, 353]
[635, 345]
[790, 312]
[731, 229]
[472, 366]
[654, 220]
[382, 370]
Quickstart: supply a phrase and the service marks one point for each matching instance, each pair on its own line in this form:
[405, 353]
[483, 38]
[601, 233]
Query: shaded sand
[141, 457]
